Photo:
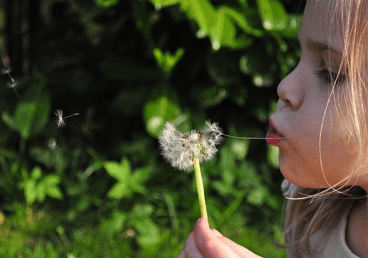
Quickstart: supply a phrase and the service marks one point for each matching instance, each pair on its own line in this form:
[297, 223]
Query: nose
[291, 90]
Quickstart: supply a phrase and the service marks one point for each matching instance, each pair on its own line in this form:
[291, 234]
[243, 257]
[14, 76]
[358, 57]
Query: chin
[293, 176]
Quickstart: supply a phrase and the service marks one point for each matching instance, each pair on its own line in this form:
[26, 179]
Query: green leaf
[163, 3]
[51, 186]
[202, 11]
[118, 171]
[157, 112]
[31, 114]
[30, 191]
[241, 20]
[6, 153]
[138, 178]
[128, 182]
[54, 192]
[40, 192]
[172, 60]
[167, 61]
[293, 26]
[141, 211]
[106, 3]
[114, 224]
[148, 233]
[8, 120]
[241, 42]
[273, 14]
[119, 190]
[36, 173]
[223, 32]
[23, 118]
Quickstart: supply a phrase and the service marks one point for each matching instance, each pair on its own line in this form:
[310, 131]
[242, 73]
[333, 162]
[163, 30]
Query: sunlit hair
[320, 210]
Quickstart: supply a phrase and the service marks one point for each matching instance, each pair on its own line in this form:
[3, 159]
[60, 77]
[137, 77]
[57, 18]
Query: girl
[321, 129]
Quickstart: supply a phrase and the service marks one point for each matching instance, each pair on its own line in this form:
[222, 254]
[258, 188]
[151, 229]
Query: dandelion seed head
[180, 149]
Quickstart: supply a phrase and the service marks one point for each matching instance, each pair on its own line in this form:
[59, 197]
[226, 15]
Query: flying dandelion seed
[60, 119]
[52, 143]
[13, 86]
[181, 149]
[13, 83]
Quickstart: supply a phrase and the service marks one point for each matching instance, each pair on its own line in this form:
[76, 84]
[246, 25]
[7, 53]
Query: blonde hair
[319, 210]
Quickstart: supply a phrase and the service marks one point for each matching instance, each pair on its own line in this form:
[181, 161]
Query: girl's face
[304, 104]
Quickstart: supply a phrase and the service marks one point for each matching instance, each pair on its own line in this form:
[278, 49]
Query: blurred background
[98, 186]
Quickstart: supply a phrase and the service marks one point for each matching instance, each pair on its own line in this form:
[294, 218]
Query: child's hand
[204, 242]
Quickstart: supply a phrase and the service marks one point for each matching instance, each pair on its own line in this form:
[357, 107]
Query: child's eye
[330, 77]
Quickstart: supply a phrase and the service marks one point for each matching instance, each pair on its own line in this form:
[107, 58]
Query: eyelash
[330, 77]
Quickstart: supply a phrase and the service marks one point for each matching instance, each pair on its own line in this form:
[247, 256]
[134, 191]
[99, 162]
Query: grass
[29, 233]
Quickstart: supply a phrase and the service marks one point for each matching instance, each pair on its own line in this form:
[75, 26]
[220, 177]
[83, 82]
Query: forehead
[322, 21]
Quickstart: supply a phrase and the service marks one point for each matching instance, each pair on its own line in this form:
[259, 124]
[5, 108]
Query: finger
[238, 249]
[190, 249]
[233, 246]
[208, 243]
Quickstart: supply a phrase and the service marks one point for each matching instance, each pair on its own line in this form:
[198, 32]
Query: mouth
[274, 137]
[274, 130]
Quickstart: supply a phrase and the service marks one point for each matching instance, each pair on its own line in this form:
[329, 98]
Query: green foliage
[106, 3]
[273, 14]
[128, 67]
[157, 112]
[36, 187]
[166, 61]
[28, 233]
[219, 24]
[32, 111]
[128, 182]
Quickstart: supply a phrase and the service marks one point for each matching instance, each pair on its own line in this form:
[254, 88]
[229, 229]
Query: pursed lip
[273, 127]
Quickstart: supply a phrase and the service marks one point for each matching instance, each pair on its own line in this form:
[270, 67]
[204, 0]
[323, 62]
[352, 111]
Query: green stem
[200, 190]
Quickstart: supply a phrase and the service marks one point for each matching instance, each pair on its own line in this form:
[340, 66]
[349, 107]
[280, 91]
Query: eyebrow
[317, 46]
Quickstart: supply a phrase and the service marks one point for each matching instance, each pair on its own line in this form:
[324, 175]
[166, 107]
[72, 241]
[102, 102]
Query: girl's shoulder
[333, 244]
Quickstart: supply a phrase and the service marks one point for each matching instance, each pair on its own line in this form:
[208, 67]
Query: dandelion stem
[200, 189]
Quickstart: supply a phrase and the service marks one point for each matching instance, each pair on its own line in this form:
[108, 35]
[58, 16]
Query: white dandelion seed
[13, 86]
[180, 149]
[52, 143]
[60, 119]
[6, 70]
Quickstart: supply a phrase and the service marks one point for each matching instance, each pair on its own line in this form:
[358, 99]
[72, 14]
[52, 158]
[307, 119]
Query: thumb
[208, 242]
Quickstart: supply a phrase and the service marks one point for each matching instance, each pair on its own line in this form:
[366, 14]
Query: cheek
[301, 166]
[338, 161]
[301, 162]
